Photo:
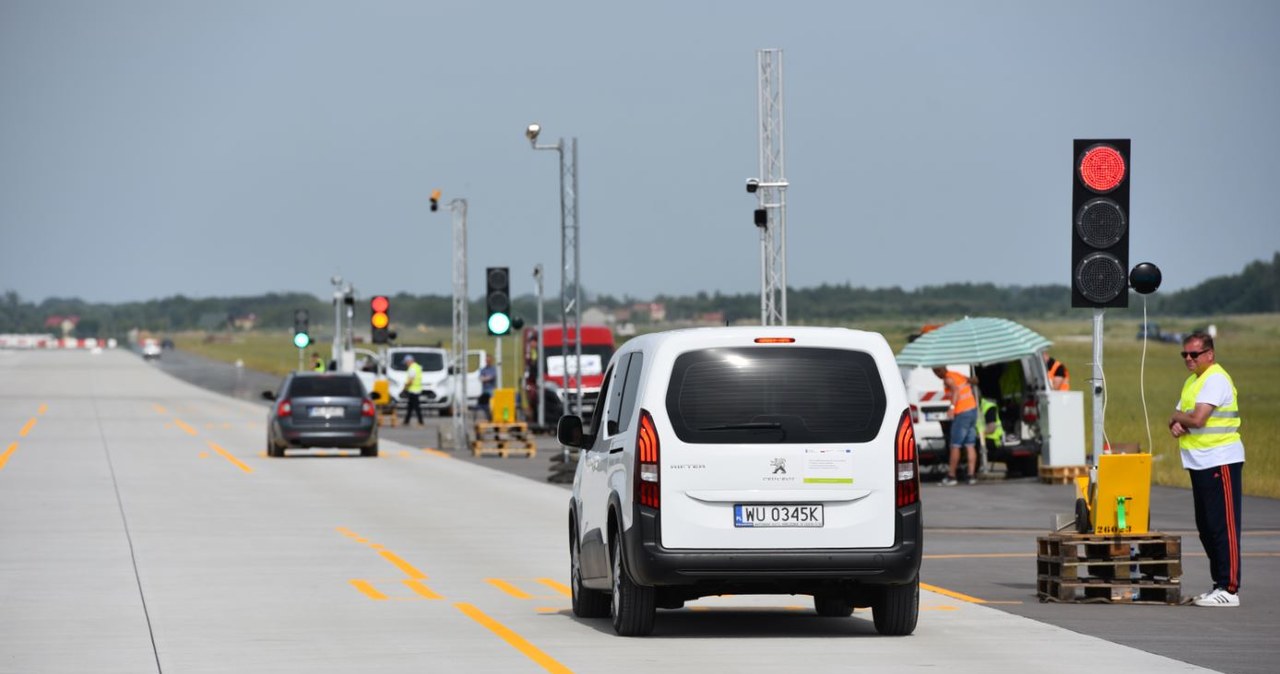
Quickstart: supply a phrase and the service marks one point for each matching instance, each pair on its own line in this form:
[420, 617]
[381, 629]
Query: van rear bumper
[785, 569]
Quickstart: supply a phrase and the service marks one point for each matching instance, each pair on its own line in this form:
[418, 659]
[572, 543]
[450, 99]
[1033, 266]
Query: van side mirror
[569, 432]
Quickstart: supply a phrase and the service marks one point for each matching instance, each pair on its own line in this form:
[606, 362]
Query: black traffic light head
[497, 301]
[379, 319]
[301, 328]
[1100, 171]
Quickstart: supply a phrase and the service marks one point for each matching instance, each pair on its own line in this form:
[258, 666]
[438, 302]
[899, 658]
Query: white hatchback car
[747, 460]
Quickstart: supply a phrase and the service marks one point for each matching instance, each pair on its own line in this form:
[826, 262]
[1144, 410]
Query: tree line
[1256, 289]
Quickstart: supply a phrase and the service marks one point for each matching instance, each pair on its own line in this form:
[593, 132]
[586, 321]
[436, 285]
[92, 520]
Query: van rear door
[777, 446]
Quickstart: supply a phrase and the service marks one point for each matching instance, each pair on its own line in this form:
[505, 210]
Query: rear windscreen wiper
[748, 426]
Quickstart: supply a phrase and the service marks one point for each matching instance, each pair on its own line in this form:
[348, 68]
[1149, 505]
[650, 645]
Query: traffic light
[497, 301]
[301, 329]
[435, 200]
[379, 319]
[1100, 223]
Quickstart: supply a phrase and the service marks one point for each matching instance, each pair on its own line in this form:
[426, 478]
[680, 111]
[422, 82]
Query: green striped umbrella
[973, 341]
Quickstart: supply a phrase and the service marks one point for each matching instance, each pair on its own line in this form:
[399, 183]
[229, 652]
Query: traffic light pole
[1098, 385]
[542, 412]
[458, 207]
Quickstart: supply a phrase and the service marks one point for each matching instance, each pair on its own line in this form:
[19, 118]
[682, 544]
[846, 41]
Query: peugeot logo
[779, 466]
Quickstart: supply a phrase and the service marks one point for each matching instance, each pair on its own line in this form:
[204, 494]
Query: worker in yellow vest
[1206, 423]
[413, 390]
[317, 364]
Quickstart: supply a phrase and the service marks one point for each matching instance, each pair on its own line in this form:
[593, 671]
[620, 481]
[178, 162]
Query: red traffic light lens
[379, 304]
[1102, 168]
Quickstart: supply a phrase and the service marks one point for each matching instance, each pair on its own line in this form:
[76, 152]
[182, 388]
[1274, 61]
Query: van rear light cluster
[907, 463]
[647, 461]
[284, 408]
[367, 409]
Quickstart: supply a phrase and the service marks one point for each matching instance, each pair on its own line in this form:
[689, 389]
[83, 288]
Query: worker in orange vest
[1059, 380]
[964, 423]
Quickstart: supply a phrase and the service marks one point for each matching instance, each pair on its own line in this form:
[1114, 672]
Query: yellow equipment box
[502, 405]
[1119, 497]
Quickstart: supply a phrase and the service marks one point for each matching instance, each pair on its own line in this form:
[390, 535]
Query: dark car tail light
[284, 408]
[907, 463]
[647, 452]
[1030, 411]
[367, 409]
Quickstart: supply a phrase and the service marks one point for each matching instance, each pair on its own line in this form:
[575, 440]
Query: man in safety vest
[413, 390]
[317, 364]
[1206, 423]
[964, 423]
[989, 426]
[1059, 379]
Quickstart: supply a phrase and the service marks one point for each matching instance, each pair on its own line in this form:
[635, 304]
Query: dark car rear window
[763, 395]
[331, 386]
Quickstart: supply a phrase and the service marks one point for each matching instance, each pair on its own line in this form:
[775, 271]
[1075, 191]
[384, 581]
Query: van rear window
[770, 395]
[335, 386]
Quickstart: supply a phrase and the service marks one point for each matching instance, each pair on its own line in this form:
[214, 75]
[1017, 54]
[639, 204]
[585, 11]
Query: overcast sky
[153, 148]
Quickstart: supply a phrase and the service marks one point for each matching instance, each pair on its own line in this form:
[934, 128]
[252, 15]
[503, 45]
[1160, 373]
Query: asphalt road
[143, 529]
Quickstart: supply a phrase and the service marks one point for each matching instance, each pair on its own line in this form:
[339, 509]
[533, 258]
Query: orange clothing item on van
[964, 400]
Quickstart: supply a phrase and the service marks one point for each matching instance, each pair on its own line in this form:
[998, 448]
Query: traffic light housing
[1100, 223]
[301, 328]
[497, 301]
[379, 319]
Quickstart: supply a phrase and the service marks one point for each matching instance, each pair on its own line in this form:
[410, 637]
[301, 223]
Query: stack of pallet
[1132, 569]
[504, 439]
[1062, 474]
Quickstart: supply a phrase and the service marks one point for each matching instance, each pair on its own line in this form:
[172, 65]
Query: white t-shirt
[1216, 392]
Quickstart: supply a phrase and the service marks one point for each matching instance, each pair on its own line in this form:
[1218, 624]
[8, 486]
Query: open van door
[476, 360]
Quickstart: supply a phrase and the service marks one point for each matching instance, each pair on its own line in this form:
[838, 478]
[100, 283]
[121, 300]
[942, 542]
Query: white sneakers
[1217, 597]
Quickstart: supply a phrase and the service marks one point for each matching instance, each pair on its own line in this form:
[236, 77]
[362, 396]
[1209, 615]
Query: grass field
[1247, 346]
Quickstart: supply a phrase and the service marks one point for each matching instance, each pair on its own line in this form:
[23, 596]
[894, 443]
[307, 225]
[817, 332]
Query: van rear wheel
[897, 609]
[633, 605]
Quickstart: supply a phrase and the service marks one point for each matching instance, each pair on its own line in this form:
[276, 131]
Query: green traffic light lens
[301, 340]
[499, 324]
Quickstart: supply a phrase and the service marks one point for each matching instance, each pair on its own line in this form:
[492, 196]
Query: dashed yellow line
[26, 428]
[159, 408]
[4, 458]
[436, 452]
[420, 589]
[953, 595]
[183, 425]
[508, 588]
[515, 640]
[368, 589]
[557, 586]
[404, 566]
[229, 457]
[43, 408]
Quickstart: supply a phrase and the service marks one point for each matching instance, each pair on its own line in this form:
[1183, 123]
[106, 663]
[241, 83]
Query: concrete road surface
[142, 528]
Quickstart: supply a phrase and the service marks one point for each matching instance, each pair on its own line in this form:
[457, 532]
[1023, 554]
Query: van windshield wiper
[747, 426]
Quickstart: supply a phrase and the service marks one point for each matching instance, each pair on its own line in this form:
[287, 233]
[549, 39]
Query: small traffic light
[1100, 223]
[301, 328]
[379, 319]
[497, 301]
[435, 200]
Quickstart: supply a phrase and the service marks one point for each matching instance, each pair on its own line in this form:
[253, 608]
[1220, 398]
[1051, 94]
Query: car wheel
[274, 450]
[1083, 523]
[897, 609]
[369, 451]
[587, 603]
[633, 608]
[832, 606]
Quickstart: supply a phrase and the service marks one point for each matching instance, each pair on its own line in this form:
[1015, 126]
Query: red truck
[560, 383]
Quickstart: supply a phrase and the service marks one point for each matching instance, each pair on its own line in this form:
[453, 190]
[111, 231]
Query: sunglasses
[1195, 354]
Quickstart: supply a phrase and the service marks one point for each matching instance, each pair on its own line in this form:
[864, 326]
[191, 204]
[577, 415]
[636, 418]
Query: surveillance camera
[752, 185]
[532, 132]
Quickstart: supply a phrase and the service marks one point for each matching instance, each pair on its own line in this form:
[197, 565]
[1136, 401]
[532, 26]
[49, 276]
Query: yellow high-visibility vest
[1223, 425]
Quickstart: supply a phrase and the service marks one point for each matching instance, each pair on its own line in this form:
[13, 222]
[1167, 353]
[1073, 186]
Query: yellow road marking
[953, 595]
[183, 425]
[508, 588]
[27, 427]
[422, 590]
[368, 589]
[203, 455]
[345, 531]
[557, 586]
[159, 409]
[404, 453]
[515, 640]
[228, 456]
[436, 452]
[404, 566]
[939, 608]
[549, 609]
[43, 408]
[4, 458]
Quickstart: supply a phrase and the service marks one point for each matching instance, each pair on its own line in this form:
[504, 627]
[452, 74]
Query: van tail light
[647, 461]
[907, 463]
[367, 409]
[1030, 411]
[284, 408]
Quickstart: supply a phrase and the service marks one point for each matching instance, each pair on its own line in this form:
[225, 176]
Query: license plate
[777, 515]
[936, 416]
[326, 412]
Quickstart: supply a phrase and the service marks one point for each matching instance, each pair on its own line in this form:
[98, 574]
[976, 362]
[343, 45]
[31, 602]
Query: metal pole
[577, 288]
[459, 346]
[1097, 384]
[497, 350]
[542, 411]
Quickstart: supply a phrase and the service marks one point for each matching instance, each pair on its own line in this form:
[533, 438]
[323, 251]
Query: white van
[747, 460]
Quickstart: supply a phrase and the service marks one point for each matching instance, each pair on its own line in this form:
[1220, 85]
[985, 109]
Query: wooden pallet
[1062, 474]
[1137, 568]
[504, 448]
